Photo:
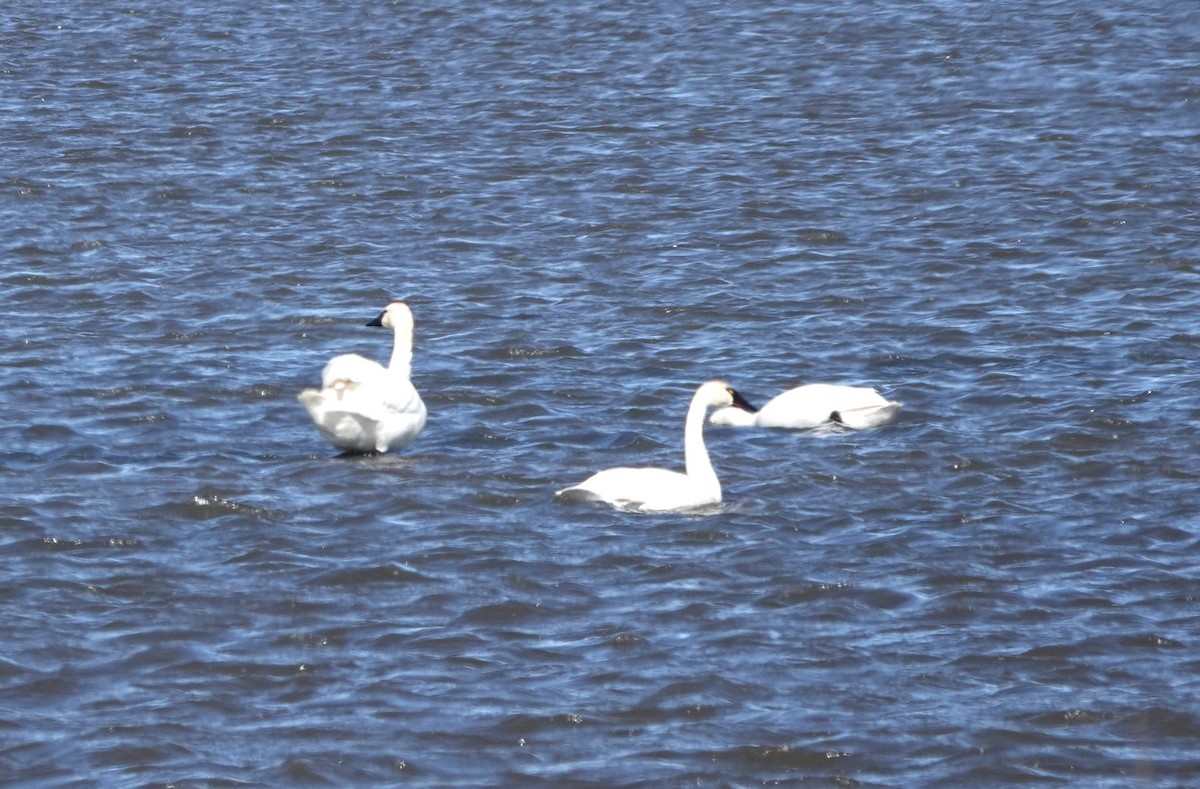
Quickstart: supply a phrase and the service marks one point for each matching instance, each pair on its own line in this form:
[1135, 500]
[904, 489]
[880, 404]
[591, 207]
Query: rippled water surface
[987, 210]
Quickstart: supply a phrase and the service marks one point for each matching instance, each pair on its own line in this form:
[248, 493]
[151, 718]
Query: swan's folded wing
[349, 370]
[644, 489]
[399, 429]
[866, 417]
[401, 397]
[380, 397]
[813, 405]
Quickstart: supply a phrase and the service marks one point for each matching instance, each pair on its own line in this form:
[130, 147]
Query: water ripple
[591, 211]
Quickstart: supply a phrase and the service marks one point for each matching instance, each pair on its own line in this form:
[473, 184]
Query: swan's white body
[658, 489]
[363, 406]
[813, 405]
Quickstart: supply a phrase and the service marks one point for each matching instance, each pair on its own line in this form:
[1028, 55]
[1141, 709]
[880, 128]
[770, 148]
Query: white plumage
[363, 406]
[657, 489]
[813, 405]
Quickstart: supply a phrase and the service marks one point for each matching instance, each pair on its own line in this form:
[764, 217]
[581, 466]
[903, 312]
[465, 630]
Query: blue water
[987, 211]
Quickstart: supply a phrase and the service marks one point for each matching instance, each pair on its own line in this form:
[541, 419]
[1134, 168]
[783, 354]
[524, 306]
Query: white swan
[813, 405]
[363, 406]
[658, 489]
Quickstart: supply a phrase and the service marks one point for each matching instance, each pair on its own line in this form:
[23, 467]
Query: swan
[813, 405]
[363, 406]
[659, 489]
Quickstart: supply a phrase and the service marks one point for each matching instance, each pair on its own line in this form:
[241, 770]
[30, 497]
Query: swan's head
[396, 316]
[731, 407]
[718, 394]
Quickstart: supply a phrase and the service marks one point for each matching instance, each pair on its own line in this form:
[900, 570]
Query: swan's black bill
[741, 402]
[378, 320]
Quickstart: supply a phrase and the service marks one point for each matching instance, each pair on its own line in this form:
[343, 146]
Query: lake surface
[989, 211]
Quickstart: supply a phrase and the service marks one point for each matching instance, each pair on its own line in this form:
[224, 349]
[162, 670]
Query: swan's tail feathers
[866, 417]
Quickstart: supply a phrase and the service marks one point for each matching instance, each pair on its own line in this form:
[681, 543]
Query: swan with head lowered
[363, 406]
[659, 489]
[814, 405]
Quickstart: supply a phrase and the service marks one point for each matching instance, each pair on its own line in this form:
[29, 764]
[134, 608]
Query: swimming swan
[363, 406]
[813, 405]
[658, 489]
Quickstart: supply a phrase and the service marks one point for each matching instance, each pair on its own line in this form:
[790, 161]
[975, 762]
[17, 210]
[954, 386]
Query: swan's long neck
[695, 454]
[402, 351]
